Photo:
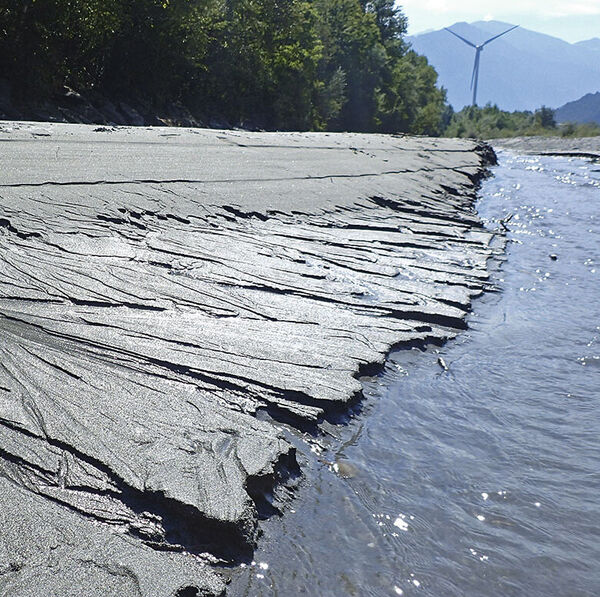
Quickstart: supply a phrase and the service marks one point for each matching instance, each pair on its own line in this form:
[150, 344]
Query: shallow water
[483, 479]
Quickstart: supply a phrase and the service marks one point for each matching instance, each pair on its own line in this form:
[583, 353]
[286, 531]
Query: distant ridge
[521, 71]
[590, 44]
[586, 109]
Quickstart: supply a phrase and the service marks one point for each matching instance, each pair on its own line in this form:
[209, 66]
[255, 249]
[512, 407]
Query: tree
[351, 42]
[545, 117]
[285, 64]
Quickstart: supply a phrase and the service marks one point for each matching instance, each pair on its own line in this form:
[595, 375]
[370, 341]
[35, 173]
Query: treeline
[489, 122]
[280, 64]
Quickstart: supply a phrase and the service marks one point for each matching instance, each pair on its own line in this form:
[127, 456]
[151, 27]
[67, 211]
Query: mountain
[585, 109]
[591, 44]
[522, 70]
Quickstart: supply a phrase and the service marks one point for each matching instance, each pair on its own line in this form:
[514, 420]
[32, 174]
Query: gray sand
[160, 287]
[578, 147]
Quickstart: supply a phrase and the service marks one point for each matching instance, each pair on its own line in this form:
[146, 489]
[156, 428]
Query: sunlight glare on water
[482, 479]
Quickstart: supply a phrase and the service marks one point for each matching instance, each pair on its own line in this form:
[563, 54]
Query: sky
[571, 20]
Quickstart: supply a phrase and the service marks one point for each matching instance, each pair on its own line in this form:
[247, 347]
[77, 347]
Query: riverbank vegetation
[489, 122]
[340, 65]
[276, 64]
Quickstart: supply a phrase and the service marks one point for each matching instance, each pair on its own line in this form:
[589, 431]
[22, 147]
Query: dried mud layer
[585, 147]
[159, 288]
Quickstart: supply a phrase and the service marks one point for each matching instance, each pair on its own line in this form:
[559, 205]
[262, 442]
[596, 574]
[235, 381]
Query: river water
[483, 479]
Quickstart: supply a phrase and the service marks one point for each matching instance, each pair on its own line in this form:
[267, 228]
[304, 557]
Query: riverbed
[170, 298]
[472, 469]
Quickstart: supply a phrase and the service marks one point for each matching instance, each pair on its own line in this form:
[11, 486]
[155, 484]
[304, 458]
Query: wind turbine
[478, 50]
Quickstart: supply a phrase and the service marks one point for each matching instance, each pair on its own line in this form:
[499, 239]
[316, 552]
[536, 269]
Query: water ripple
[483, 479]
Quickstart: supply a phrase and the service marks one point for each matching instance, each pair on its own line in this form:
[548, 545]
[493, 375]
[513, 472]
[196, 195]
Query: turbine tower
[478, 50]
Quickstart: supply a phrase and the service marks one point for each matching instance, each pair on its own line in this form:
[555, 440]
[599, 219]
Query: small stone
[345, 469]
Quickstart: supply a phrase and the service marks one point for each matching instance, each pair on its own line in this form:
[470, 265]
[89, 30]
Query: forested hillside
[281, 64]
[585, 110]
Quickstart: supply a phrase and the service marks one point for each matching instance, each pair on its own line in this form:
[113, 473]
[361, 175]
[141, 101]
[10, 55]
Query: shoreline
[584, 147]
[163, 287]
[432, 450]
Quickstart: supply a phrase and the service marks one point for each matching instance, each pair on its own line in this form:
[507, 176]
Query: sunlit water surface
[483, 479]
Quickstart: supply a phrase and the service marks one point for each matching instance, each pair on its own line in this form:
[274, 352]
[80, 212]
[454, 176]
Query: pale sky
[570, 20]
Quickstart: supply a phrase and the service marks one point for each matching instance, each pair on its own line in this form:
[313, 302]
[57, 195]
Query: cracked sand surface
[159, 287]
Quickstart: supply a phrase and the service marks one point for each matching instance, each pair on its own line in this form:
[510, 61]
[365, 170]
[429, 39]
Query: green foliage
[410, 101]
[489, 122]
[286, 64]
[261, 63]
[544, 117]
[121, 45]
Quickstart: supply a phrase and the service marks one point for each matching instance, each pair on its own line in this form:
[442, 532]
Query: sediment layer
[584, 147]
[161, 287]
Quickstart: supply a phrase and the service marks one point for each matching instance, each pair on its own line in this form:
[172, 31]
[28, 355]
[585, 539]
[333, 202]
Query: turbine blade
[497, 36]
[460, 37]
